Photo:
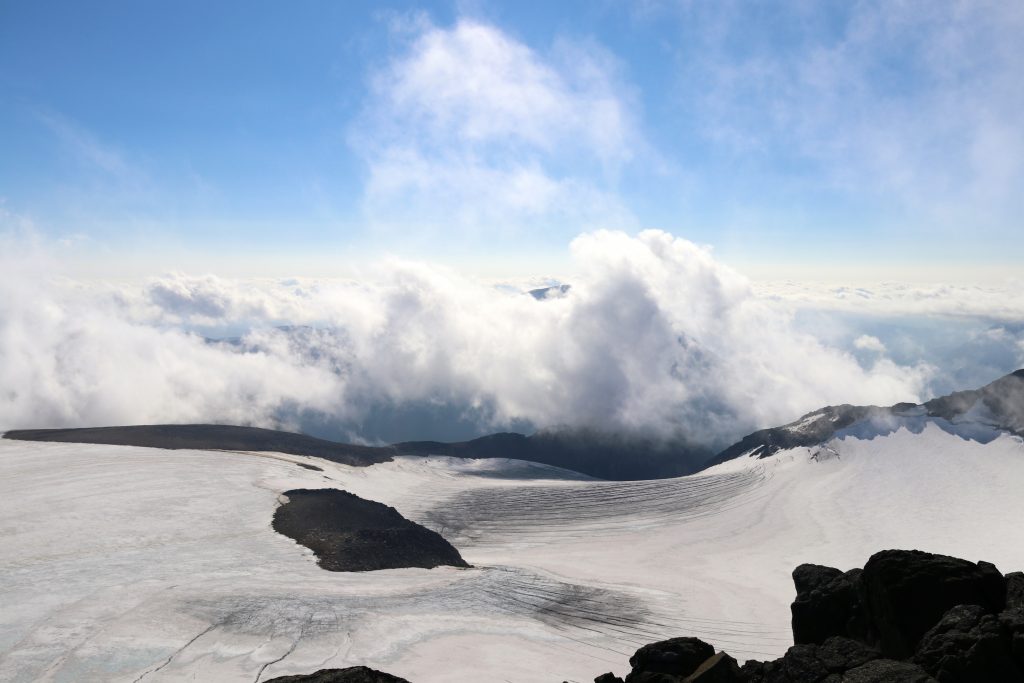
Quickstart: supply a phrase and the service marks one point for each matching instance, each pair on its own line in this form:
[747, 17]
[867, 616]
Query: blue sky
[280, 137]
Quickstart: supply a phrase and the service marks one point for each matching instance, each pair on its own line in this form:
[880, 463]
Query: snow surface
[128, 564]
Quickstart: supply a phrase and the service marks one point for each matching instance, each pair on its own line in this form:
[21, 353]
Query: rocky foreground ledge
[906, 617]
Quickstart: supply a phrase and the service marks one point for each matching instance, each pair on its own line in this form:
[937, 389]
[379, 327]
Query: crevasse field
[134, 564]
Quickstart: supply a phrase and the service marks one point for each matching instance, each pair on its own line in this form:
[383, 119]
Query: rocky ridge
[997, 406]
[906, 617]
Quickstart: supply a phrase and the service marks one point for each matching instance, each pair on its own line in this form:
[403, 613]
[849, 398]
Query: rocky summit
[906, 617]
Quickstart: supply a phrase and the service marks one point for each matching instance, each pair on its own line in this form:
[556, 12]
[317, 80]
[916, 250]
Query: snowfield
[132, 564]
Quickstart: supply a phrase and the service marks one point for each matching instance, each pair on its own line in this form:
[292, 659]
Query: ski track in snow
[133, 564]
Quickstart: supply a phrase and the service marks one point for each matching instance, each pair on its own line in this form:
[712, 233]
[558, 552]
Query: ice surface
[126, 564]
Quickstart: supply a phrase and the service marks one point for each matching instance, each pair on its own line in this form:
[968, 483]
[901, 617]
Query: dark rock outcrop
[1000, 405]
[827, 604]
[885, 671]
[352, 674]
[675, 657]
[906, 592]
[349, 533]
[968, 644]
[810, 430]
[1012, 621]
[907, 617]
[1015, 589]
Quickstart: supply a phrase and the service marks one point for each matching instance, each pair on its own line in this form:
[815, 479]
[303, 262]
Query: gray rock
[719, 668]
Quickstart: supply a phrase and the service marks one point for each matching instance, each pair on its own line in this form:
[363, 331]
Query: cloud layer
[654, 335]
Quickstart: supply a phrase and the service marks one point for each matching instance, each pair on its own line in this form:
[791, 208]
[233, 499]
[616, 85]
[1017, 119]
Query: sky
[328, 216]
[267, 138]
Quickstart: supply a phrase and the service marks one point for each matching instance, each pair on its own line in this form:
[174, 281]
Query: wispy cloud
[469, 129]
[85, 145]
[911, 105]
[1003, 302]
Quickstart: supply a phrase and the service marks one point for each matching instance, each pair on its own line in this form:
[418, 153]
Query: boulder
[827, 604]
[905, 592]
[754, 671]
[1012, 622]
[887, 671]
[1015, 589]
[608, 678]
[807, 577]
[840, 654]
[719, 668]
[811, 663]
[677, 657]
[352, 674]
[801, 663]
[968, 644]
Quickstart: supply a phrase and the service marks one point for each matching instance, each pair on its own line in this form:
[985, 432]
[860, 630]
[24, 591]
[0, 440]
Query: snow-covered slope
[125, 564]
[980, 414]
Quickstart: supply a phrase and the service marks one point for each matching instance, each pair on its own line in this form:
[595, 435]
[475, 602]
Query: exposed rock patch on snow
[350, 534]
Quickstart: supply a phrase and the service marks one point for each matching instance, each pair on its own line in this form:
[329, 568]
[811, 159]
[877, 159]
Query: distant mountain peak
[997, 406]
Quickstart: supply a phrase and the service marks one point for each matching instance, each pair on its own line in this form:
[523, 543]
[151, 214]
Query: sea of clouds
[654, 335]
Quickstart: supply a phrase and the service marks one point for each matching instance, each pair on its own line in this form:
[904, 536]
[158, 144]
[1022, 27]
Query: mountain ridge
[998, 405]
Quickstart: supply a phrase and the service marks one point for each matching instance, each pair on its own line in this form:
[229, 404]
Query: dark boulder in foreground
[967, 644]
[352, 674]
[207, 437]
[350, 534]
[827, 604]
[907, 617]
[1015, 589]
[906, 592]
[676, 656]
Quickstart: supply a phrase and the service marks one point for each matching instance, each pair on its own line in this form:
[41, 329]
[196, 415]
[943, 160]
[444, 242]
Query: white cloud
[471, 130]
[1003, 302]
[867, 342]
[654, 335]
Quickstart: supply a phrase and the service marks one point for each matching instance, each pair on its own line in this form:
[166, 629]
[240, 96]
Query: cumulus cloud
[471, 130]
[653, 335]
[866, 342]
